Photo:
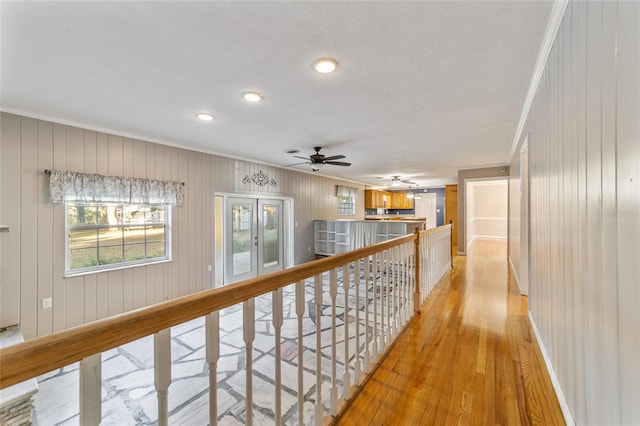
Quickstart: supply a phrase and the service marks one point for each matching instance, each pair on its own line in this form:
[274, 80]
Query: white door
[254, 238]
[426, 207]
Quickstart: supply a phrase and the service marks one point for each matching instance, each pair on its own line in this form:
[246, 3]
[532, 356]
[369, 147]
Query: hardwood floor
[469, 358]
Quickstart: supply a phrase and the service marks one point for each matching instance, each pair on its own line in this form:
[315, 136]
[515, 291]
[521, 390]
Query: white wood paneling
[628, 206]
[584, 158]
[32, 262]
[10, 216]
[44, 227]
[28, 232]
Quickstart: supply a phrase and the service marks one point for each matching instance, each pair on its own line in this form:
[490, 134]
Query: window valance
[346, 191]
[85, 187]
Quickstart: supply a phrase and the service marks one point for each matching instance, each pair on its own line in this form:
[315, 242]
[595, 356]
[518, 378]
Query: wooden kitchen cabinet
[376, 199]
[391, 200]
[400, 201]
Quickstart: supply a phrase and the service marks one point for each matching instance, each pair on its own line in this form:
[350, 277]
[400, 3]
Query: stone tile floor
[128, 393]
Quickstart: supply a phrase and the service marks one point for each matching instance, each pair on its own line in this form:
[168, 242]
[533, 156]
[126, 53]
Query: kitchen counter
[395, 217]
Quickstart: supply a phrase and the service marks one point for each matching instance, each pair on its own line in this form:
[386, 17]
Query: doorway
[426, 207]
[253, 237]
[451, 214]
[486, 209]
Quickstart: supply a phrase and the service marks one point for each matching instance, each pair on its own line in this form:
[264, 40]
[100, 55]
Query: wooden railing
[377, 288]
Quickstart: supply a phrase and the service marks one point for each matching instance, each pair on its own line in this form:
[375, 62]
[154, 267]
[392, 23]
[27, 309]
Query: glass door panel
[242, 242]
[270, 228]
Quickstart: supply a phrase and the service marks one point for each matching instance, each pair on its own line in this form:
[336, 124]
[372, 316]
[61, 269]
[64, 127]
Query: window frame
[124, 264]
[352, 203]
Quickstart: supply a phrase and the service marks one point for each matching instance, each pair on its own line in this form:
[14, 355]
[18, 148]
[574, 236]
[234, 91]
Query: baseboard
[554, 379]
[488, 237]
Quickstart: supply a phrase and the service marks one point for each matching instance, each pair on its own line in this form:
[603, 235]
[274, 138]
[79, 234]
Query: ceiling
[422, 88]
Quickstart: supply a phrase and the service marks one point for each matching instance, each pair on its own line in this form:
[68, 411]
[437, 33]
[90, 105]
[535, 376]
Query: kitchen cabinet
[377, 199]
[390, 200]
[400, 201]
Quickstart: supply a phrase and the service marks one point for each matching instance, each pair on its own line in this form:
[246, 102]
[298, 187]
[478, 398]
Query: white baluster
[367, 327]
[317, 282]
[91, 390]
[346, 283]
[410, 284]
[356, 273]
[333, 292]
[249, 334]
[212, 340]
[300, 299]
[384, 302]
[406, 259]
[374, 348]
[162, 372]
[405, 283]
[399, 290]
[394, 288]
[277, 325]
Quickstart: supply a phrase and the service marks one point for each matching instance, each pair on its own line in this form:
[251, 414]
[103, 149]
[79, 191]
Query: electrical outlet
[309, 249]
[209, 268]
[46, 303]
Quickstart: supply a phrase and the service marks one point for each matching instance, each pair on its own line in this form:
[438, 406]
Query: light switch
[46, 303]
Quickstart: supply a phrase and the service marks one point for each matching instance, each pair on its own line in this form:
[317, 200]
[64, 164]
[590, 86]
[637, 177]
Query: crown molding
[557, 13]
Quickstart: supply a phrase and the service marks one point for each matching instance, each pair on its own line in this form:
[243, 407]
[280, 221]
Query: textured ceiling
[423, 88]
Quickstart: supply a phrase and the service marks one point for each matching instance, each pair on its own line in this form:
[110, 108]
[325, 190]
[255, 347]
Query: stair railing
[367, 296]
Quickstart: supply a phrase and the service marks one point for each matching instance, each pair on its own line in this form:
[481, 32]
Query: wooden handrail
[42, 354]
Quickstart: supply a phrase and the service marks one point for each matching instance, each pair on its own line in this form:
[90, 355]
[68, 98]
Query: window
[346, 200]
[346, 206]
[111, 235]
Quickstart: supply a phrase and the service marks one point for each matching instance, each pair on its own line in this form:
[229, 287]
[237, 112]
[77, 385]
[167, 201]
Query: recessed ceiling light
[325, 65]
[252, 96]
[204, 116]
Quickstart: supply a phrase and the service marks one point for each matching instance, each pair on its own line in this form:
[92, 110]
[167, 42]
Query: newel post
[416, 256]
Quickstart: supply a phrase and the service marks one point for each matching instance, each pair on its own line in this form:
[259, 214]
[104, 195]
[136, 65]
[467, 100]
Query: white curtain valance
[346, 191]
[92, 188]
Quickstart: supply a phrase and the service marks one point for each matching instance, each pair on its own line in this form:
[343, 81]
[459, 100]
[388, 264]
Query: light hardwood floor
[469, 358]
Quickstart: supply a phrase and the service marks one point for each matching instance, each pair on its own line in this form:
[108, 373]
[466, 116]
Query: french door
[254, 237]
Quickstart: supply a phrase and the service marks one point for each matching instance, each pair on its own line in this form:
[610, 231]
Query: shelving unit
[334, 236]
[325, 237]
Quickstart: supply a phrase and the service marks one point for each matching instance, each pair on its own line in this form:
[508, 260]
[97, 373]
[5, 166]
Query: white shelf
[334, 236]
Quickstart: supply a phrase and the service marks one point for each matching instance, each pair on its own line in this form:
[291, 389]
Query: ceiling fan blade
[303, 158]
[334, 157]
[337, 163]
[297, 164]
[408, 182]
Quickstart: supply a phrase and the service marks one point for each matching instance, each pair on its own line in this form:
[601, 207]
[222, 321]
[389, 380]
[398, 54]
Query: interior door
[255, 238]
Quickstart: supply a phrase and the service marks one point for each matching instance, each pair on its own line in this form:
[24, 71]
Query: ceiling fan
[318, 160]
[396, 181]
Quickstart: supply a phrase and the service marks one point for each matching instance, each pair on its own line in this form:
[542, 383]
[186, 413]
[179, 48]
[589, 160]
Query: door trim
[220, 203]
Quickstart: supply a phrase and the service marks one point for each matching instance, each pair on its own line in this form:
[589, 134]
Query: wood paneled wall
[32, 262]
[584, 164]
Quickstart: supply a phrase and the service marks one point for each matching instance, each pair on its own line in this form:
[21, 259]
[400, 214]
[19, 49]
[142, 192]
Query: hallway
[470, 358]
